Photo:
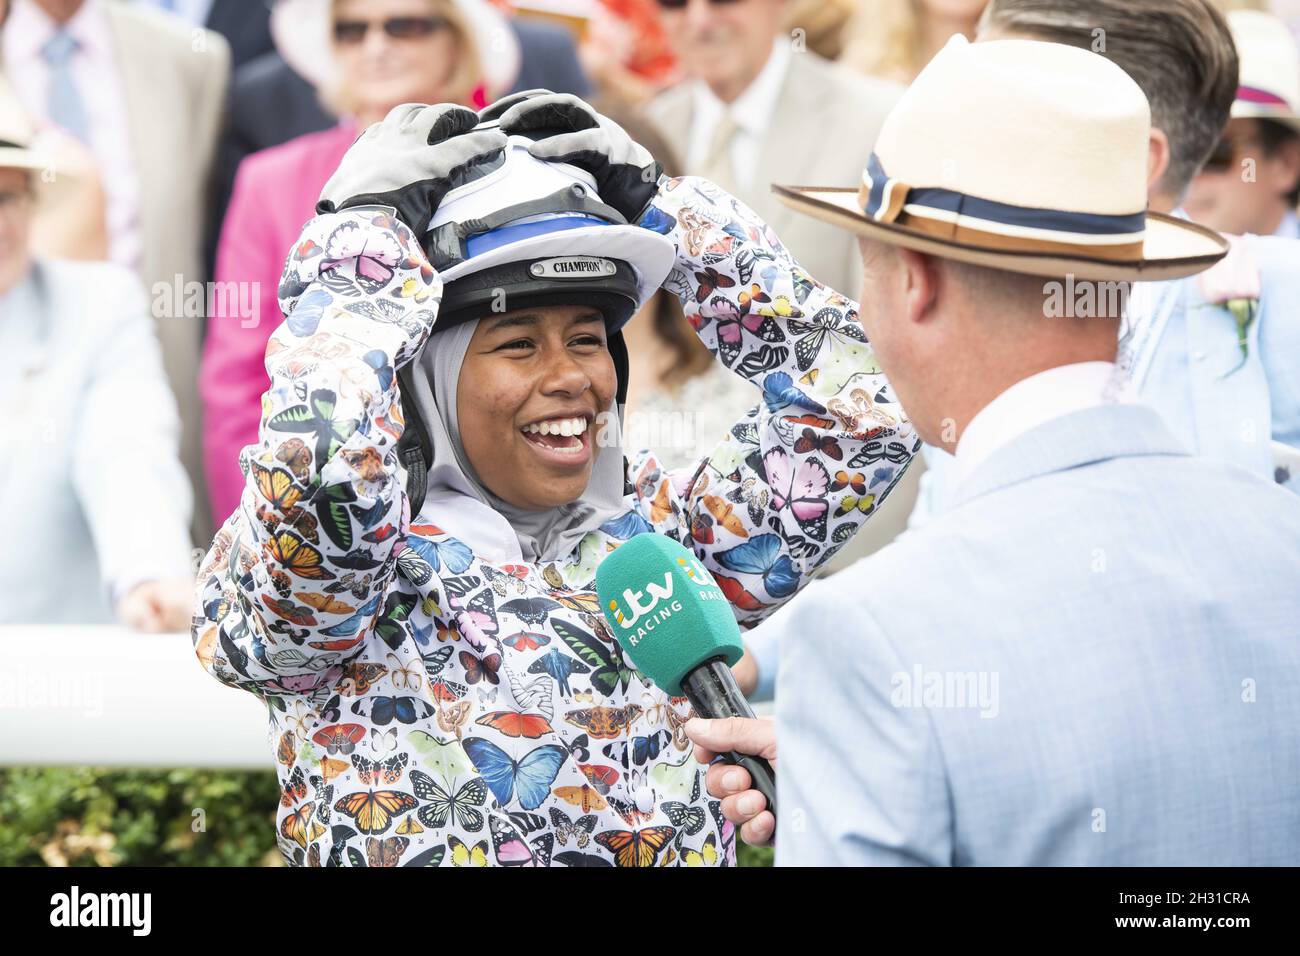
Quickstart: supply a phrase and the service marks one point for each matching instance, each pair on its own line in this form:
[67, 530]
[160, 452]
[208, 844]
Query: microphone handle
[711, 689]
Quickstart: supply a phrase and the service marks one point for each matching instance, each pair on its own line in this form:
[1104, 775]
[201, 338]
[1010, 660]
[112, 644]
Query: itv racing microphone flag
[666, 610]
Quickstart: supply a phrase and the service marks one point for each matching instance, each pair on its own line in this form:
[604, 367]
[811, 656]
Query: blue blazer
[1092, 657]
[1217, 404]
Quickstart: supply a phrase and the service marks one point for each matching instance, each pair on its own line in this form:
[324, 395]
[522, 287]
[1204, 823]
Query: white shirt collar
[1034, 400]
[752, 109]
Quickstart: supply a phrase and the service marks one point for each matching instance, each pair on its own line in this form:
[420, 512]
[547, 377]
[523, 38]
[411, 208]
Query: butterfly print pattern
[429, 708]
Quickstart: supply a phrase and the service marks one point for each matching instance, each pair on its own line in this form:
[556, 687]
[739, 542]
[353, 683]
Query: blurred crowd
[158, 159]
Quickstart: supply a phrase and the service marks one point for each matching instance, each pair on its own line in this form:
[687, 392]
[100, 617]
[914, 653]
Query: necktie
[718, 167]
[64, 106]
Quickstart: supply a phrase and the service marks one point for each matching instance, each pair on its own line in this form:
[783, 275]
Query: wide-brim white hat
[19, 157]
[301, 31]
[1269, 74]
[1019, 155]
[16, 132]
[23, 146]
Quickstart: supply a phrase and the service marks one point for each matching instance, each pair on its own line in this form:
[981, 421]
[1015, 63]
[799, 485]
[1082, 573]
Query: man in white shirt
[68, 73]
[759, 107]
[94, 505]
[1059, 668]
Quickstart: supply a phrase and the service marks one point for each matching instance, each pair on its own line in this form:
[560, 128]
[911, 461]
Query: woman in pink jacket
[385, 52]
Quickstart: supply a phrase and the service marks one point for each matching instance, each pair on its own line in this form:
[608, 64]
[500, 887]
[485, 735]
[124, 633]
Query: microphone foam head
[666, 610]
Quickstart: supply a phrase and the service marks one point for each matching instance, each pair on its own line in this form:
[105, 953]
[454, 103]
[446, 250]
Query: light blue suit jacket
[1216, 403]
[1092, 657]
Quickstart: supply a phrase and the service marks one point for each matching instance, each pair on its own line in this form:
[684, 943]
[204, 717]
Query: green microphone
[675, 624]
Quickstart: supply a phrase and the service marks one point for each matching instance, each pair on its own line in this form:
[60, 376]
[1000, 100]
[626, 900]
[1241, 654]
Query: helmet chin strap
[618, 351]
[415, 447]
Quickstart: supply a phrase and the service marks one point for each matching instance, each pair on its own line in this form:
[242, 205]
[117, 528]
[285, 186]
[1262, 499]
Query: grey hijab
[542, 535]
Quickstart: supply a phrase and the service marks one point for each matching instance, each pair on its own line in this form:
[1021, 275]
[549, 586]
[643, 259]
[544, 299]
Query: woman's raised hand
[410, 160]
[565, 129]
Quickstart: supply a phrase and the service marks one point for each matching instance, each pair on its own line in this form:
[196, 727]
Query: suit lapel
[1230, 393]
[1166, 300]
[673, 112]
[782, 157]
[139, 94]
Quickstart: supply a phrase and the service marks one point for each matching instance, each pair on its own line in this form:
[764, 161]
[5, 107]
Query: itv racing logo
[636, 610]
[645, 609]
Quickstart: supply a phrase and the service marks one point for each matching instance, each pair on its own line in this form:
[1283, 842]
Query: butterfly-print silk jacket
[429, 707]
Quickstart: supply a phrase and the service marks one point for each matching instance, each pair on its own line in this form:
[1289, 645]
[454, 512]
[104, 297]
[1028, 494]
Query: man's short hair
[998, 289]
[1000, 292]
[1180, 52]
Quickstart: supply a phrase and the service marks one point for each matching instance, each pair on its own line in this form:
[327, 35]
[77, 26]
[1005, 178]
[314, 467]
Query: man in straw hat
[1215, 354]
[96, 505]
[1226, 389]
[1060, 668]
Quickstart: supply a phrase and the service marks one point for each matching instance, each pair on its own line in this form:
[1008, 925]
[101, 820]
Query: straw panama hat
[56, 160]
[1018, 155]
[1269, 87]
[17, 134]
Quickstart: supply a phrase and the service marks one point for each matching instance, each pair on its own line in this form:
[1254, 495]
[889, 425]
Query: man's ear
[1157, 158]
[919, 280]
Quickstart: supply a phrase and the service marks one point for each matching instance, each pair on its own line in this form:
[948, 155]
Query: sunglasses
[353, 32]
[12, 203]
[681, 4]
[1224, 153]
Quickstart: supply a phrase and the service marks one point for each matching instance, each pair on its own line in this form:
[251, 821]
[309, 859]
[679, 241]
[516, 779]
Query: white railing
[106, 696]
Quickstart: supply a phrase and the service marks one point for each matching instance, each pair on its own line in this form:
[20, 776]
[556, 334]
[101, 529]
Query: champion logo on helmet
[572, 267]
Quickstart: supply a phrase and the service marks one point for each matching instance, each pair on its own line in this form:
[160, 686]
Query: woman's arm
[802, 471]
[296, 577]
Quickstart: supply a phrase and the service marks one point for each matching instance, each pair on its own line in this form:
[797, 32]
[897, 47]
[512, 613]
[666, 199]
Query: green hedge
[84, 816]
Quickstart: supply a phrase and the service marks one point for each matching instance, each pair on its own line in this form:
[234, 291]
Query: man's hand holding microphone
[741, 803]
[672, 620]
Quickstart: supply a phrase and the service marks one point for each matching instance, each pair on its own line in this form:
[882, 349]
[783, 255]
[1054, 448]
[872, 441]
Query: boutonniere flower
[1233, 283]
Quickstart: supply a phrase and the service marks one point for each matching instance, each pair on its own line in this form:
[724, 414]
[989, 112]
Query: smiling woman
[527, 355]
[409, 579]
[532, 383]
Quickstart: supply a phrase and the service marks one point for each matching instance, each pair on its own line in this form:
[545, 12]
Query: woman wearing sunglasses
[366, 56]
[408, 581]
